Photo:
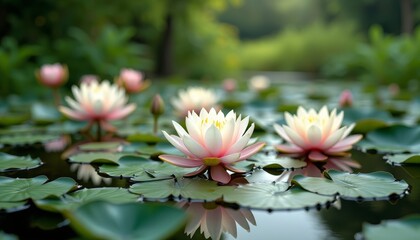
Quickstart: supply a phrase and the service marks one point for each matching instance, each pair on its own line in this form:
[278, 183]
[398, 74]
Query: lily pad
[272, 161]
[142, 169]
[158, 149]
[27, 139]
[100, 146]
[406, 228]
[366, 120]
[9, 119]
[275, 196]
[73, 200]
[13, 190]
[396, 139]
[147, 138]
[6, 236]
[361, 186]
[195, 188]
[96, 157]
[399, 159]
[10, 162]
[44, 114]
[102, 220]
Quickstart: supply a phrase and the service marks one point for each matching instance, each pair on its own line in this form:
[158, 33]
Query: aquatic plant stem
[98, 131]
[155, 124]
[57, 97]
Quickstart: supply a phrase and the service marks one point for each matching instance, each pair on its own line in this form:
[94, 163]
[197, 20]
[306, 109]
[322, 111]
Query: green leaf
[44, 114]
[376, 185]
[23, 139]
[6, 236]
[10, 162]
[396, 139]
[143, 169]
[275, 196]
[366, 120]
[405, 228]
[13, 190]
[9, 119]
[96, 157]
[102, 220]
[399, 159]
[147, 138]
[100, 146]
[185, 187]
[73, 200]
[272, 161]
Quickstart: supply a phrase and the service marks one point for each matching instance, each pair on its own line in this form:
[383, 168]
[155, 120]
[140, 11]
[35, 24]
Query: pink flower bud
[346, 99]
[229, 85]
[52, 75]
[131, 80]
[158, 106]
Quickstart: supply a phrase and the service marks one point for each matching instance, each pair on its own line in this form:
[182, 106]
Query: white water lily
[317, 134]
[97, 102]
[212, 142]
[194, 99]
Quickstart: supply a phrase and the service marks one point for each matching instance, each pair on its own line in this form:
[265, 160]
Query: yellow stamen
[211, 161]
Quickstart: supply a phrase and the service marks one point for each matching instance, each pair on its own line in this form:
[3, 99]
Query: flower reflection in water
[214, 219]
[86, 172]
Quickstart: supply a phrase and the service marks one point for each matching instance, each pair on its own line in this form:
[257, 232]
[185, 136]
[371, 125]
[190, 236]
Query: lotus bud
[346, 99]
[157, 108]
[52, 75]
[131, 80]
[229, 85]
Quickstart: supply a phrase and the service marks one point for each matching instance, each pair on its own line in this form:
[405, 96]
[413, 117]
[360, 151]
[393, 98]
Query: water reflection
[86, 172]
[214, 219]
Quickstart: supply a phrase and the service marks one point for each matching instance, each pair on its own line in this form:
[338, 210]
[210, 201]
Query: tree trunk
[407, 21]
[165, 48]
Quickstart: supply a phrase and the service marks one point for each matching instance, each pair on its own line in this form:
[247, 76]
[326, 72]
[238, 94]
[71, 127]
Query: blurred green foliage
[383, 59]
[306, 49]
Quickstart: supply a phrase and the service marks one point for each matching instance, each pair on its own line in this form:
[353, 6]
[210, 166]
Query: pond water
[344, 219]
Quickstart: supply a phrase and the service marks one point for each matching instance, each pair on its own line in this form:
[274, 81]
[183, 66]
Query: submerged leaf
[376, 185]
[398, 159]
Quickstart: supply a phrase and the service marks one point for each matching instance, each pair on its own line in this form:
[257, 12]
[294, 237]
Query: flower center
[211, 161]
[219, 124]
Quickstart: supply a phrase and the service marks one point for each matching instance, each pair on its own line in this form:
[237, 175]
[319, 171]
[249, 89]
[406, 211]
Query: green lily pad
[395, 139]
[365, 186]
[13, 190]
[102, 220]
[406, 228]
[10, 119]
[195, 188]
[275, 196]
[96, 157]
[27, 139]
[399, 159]
[147, 138]
[73, 200]
[13, 206]
[10, 162]
[66, 127]
[272, 161]
[366, 120]
[158, 149]
[100, 146]
[142, 169]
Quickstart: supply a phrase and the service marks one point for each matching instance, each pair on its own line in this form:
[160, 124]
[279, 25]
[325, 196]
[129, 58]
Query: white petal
[180, 130]
[194, 147]
[314, 135]
[213, 140]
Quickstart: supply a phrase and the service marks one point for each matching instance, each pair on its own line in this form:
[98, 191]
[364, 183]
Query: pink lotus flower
[213, 219]
[52, 75]
[316, 134]
[132, 80]
[194, 99]
[97, 102]
[213, 142]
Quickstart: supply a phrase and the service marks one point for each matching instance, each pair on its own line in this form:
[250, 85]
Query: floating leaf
[73, 200]
[11, 162]
[143, 169]
[393, 139]
[96, 157]
[66, 127]
[23, 139]
[406, 228]
[399, 159]
[271, 161]
[376, 185]
[6, 236]
[19, 189]
[9, 119]
[147, 138]
[102, 220]
[100, 146]
[187, 188]
[275, 196]
[158, 149]
[366, 120]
